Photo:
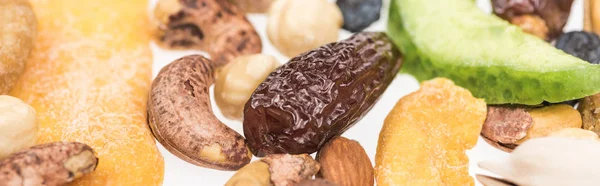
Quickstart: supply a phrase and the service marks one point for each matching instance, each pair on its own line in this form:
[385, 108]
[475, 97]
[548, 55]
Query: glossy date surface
[319, 94]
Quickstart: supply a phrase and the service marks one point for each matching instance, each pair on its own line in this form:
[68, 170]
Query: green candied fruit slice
[485, 54]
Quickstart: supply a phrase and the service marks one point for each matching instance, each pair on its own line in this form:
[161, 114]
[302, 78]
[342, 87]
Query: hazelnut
[297, 26]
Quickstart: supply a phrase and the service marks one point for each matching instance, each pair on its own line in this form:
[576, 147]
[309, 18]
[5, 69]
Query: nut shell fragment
[215, 26]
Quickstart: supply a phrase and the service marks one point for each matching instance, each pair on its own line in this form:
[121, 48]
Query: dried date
[319, 94]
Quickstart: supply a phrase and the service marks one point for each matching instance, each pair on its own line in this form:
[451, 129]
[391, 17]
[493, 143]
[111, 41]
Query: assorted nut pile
[303, 106]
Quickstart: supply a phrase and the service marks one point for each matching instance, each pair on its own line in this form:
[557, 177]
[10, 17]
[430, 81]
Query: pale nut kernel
[18, 125]
[576, 133]
[296, 26]
[237, 81]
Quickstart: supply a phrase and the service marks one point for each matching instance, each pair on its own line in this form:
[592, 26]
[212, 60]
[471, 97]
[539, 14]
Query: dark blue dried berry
[583, 45]
[359, 14]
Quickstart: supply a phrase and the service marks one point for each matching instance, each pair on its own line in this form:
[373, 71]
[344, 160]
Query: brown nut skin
[288, 170]
[50, 164]
[508, 126]
[215, 26]
[345, 162]
[253, 6]
[554, 12]
[316, 182]
[182, 120]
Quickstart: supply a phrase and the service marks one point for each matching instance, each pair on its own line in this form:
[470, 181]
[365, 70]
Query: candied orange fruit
[88, 79]
[424, 138]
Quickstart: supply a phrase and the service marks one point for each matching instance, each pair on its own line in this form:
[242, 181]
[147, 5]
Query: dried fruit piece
[555, 13]
[345, 162]
[50, 164]
[18, 125]
[581, 44]
[576, 133]
[181, 118]
[319, 94]
[17, 34]
[295, 26]
[424, 138]
[359, 14]
[508, 126]
[88, 79]
[276, 170]
[236, 82]
[485, 54]
[549, 161]
[590, 113]
[215, 26]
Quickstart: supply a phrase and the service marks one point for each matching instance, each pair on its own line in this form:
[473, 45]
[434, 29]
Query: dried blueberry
[359, 14]
[584, 45]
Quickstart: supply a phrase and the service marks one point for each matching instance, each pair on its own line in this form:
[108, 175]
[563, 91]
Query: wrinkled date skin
[319, 94]
[554, 12]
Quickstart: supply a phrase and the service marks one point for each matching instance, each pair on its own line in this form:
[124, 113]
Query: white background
[181, 173]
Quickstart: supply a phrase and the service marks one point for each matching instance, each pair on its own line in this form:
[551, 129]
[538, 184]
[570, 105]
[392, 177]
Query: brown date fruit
[319, 94]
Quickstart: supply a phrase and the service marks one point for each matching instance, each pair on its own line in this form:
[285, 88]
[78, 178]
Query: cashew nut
[181, 118]
[215, 26]
[50, 164]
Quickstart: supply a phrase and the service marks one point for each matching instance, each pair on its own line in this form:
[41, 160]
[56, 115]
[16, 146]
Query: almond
[345, 162]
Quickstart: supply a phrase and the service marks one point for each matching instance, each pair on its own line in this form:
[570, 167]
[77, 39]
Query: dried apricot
[424, 138]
